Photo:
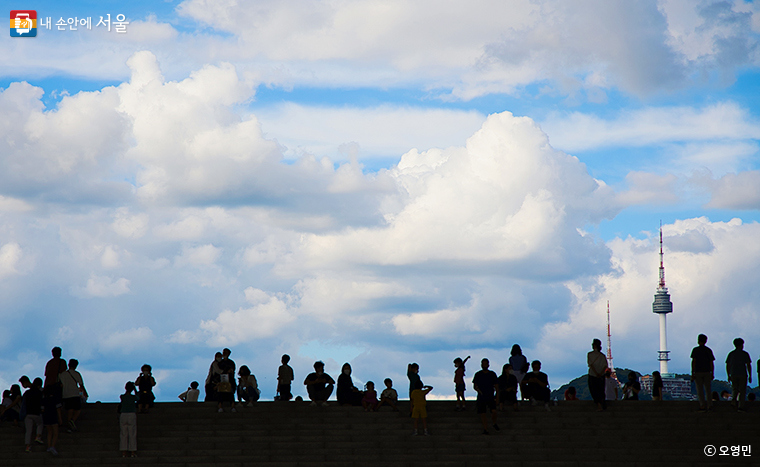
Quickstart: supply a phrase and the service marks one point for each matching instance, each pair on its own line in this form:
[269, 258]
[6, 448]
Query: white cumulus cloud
[204, 255]
[507, 197]
[260, 320]
[10, 255]
[102, 287]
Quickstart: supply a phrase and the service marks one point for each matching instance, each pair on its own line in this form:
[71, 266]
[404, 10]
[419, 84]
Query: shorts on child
[485, 404]
[459, 388]
[419, 411]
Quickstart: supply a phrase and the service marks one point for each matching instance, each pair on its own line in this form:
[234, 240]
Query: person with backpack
[73, 391]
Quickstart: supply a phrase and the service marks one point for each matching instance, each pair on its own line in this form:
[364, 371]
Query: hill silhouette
[581, 386]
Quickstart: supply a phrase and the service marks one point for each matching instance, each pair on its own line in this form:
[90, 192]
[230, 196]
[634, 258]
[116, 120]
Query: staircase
[295, 434]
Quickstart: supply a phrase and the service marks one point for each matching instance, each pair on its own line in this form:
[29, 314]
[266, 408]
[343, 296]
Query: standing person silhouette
[703, 372]
[32, 400]
[128, 420]
[611, 386]
[73, 392]
[739, 370]
[413, 374]
[213, 378]
[419, 408]
[484, 382]
[597, 365]
[656, 386]
[53, 368]
[459, 386]
[520, 367]
[284, 379]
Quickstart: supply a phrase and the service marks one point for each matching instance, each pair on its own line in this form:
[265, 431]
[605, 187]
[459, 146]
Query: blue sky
[376, 182]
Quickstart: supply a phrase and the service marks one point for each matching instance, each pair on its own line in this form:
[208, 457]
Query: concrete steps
[296, 434]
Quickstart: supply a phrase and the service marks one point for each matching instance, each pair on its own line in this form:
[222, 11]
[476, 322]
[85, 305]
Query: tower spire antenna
[662, 263]
[609, 343]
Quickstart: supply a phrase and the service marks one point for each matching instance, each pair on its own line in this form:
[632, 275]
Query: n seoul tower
[662, 306]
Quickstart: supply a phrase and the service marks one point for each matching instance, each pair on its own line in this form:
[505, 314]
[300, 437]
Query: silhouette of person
[248, 389]
[213, 378]
[507, 384]
[32, 400]
[656, 386]
[703, 372]
[484, 382]
[284, 379]
[537, 385]
[73, 391]
[739, 370]
[53, 368]
[632, 388]
[128, 420]
[347, 393]
[145, 383]
[389, 395]
[227, 365]
[369, 399]
[597, 364]
[319, 385]
[611, 386]
[520, 368]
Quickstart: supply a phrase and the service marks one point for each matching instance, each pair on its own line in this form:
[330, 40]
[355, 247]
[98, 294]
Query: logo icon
[23, 23]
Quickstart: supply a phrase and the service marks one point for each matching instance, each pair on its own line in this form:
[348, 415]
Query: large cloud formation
[181, 225]
[506, 199]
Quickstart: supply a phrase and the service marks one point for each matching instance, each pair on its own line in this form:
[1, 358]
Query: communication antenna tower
[662, 306]
[609, 343]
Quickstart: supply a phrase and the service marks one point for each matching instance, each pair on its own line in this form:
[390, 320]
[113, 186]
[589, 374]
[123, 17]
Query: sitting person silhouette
[347, 393]
[319, 385]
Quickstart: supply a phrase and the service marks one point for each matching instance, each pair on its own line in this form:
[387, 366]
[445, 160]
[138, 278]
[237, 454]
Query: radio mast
[609, 344]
